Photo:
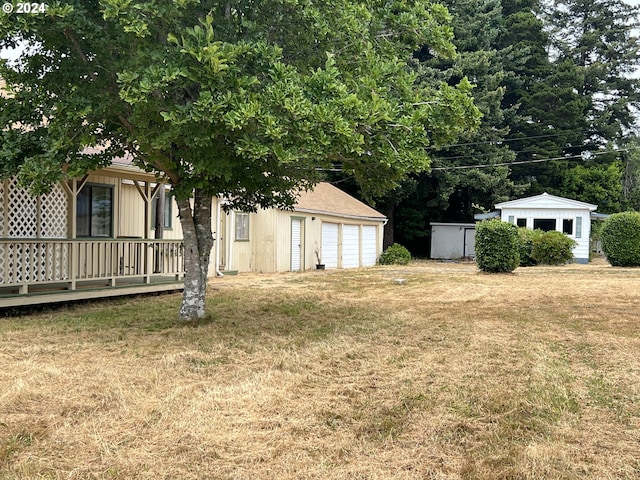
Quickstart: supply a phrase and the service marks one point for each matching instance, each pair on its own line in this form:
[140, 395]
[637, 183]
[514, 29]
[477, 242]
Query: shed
[549, 212]
[453, 240]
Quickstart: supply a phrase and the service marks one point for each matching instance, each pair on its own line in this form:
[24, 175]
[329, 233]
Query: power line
[463, 167]
[504, 140]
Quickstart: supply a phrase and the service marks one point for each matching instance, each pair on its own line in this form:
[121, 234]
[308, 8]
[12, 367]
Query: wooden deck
[38, 271]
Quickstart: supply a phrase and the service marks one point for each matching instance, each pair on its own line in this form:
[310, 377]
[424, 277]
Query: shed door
[350, 246]
[296, 244]
[329, 245]
[469, 242]
[369, 256]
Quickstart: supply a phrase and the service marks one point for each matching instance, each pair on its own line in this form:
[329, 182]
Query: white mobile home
[549, 212]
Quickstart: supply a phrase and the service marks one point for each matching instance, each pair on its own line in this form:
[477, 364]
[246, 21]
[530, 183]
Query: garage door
[330, 245]
[369, 256]
[350, 246]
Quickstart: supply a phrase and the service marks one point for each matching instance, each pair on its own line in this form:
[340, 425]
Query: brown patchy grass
[335, 375]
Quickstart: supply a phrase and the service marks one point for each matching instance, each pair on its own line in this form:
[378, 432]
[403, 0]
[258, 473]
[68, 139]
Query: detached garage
[350, 232]
[343, 231]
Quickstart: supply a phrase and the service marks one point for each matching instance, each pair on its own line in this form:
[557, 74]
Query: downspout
[217, 262]
[232, 219]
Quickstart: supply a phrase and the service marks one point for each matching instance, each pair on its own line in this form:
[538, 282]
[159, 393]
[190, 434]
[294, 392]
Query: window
[578, 227]
[242, 226]
[94, 216]
[521, 222]
[567, 226]
[544, 224]
[511, 219]
[168, 209]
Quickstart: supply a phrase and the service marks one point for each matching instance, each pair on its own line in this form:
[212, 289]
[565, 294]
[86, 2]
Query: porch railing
[25, 263]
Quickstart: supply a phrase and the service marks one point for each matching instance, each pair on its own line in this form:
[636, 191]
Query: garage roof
[327, 199]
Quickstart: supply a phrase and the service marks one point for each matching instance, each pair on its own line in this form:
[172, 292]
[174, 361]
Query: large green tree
[470, 174]
[240, 99]
[577, 94]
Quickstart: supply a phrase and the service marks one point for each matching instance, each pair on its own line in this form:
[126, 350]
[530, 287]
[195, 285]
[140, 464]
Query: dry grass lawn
[335, 375]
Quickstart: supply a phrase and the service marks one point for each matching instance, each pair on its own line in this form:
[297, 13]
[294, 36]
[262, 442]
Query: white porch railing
[26, 263]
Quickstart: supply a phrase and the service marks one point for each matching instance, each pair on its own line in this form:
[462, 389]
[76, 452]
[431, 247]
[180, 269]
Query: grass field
[335, 375]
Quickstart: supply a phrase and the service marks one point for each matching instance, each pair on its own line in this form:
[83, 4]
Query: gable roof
[546, 201]
[327, 199]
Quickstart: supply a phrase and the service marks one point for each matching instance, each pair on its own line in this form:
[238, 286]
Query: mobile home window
[95, 211]
[521, 222]
[544, 224]
[578, 227]
[567, 226]
[242, 226]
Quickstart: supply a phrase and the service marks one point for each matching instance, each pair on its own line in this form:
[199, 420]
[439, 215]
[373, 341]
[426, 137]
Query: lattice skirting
[33, 262]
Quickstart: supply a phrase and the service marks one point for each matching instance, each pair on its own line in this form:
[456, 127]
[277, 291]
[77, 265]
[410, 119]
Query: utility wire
[504, 140]
[462, 167]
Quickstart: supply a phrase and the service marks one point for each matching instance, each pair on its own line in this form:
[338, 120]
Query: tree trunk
[387, 238]
[198, 242]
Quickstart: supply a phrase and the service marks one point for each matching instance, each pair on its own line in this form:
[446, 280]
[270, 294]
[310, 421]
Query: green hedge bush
[396, 254]
[621, 239]
[526, 237]
[552, 248]
[497, 246]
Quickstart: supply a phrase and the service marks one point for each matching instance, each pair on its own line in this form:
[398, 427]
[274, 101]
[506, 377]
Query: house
[89, 237]
[93, 237]
[453, 240]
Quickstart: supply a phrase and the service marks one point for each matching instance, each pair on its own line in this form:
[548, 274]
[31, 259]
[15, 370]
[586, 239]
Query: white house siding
[581, 250]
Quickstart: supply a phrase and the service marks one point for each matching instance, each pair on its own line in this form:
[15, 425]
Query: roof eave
[381, 218]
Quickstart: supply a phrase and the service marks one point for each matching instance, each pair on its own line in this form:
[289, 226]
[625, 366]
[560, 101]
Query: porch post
[73, 233]
[148, 265]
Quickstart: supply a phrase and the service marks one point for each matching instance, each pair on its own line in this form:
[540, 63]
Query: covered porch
[90, 237]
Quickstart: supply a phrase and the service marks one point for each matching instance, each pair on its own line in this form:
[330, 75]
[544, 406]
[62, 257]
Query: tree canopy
[247, 100]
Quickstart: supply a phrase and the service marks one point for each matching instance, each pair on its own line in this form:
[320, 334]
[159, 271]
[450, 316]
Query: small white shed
[549, 212]
[453, 240]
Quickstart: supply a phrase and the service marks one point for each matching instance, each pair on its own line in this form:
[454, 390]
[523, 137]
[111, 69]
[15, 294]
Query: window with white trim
[242, 226]
[94, 217]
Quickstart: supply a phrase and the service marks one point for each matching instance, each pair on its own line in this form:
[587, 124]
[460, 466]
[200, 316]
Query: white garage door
[330, 245]
[350, 246]
[369, 256]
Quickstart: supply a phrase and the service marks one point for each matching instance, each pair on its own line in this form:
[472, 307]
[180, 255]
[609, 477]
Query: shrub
[396, 254]
[552, 248]
[526, 238]
[621, 239]
[497, 246]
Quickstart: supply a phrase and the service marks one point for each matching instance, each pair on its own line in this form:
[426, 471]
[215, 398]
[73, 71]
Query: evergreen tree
[451, 190]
